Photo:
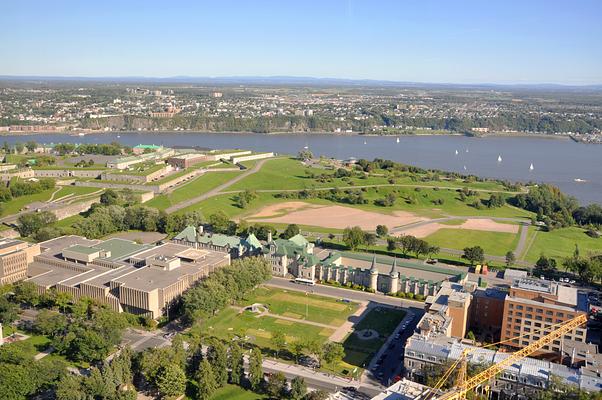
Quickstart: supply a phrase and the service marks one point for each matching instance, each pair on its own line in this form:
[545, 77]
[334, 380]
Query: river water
[558, 162]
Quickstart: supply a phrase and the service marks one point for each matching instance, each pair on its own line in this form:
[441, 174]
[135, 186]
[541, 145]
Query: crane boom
[471, 383]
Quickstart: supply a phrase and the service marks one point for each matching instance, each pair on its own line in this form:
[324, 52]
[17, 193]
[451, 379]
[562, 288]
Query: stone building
[233, 245]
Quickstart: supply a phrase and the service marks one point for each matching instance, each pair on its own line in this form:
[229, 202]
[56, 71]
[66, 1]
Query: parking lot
[388, 364]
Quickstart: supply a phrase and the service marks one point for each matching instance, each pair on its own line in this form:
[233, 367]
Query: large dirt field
[337, 217]
[475, 224]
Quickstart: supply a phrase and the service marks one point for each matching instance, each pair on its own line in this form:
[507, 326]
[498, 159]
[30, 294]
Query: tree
[290, 231]
[171, 381]
[69, 387]
[276, 385]
[217, 358]
[317, 395]
[406, 243]
[49, 322]
[333, 353]
[298, 388]
[27, 293]
[298, 348]
[219, 221]
[109, 198]
[255, 369]
[206, 384]
[278, 340]
[236, 364]
[391, 244]
[354, 237]
[382, 230]
[305, 155]
[510, 258]
[474, 254]
[28, 224]
[31, 146]
[470, 336]
[9, 312]
[19, 147]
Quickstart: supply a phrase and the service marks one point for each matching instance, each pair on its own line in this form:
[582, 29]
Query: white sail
[531, 167]
[456, 152]
[397, 140]
[499, 158]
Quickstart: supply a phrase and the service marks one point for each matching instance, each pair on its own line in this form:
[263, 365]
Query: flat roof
[78, 248]
[120, 248]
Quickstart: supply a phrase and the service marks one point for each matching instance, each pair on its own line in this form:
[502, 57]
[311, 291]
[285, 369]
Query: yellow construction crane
[464, 386]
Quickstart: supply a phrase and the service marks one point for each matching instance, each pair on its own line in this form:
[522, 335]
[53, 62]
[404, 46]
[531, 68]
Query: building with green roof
[233, 245]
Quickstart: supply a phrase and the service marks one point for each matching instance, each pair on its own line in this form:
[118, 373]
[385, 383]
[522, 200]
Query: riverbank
[76, 133]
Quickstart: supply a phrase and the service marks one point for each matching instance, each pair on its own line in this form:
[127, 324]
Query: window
[527, 329]
[519, 307]
[548, 312]
[538, 317]
[548, 319]
[517, 320]
[530, 316]
[527, 322]
[529, 308]
[519, 314]
[559, 314]
[510, 306]
[538, 310]
[509, 312]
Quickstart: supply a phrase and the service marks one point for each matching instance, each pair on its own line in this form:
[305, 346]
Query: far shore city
[232, 218]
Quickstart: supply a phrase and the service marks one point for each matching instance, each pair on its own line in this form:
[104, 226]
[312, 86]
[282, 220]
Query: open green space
[494, 243]
[233, 392]
[16, 204]
[75, 191]
[229, 323]
[196, 187]
[384, 320]
[303, 306]
[560, 243]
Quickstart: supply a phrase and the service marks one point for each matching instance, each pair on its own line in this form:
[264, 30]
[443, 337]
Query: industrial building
[15, 255]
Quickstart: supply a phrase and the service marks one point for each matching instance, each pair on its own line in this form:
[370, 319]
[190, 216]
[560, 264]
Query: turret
[394, 278]
[373, 274]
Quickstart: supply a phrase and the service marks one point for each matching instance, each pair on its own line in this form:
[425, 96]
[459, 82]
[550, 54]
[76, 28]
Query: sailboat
[306, 147]
[531, 167]
[499, 158]
[465, 168]
[467, 150]
[365, 142]
[456, 152]
[397, 140]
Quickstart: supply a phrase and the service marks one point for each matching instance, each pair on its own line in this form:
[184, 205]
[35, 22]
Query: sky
[459, 41]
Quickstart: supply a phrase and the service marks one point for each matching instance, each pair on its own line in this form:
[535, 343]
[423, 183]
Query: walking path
[217, 190]
[302, 321]
[347, 327]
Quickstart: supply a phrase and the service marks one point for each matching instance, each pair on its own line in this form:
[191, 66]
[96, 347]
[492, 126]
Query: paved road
[217, 190]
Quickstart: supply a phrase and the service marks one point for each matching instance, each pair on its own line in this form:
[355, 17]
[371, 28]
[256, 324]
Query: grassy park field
[300, 317]
[494, 243]
[560, 243]
[196, 187]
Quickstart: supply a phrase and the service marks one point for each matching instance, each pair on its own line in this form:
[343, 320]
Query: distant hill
[305, 81]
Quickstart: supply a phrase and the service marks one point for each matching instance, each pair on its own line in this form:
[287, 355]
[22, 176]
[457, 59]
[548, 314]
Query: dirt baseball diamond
[476, 224]
[337, 217]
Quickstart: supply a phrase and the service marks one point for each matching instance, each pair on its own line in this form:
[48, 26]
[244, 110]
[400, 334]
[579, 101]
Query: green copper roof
[299, 240]
[188, 234]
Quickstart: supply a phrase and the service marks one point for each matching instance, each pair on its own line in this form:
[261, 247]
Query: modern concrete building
[15, 255]
[141, 279]
[535, 307]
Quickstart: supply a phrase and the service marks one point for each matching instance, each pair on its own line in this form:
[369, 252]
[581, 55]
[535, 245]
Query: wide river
[559, 162]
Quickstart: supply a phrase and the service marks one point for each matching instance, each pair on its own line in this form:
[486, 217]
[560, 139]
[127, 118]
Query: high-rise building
[534, 307]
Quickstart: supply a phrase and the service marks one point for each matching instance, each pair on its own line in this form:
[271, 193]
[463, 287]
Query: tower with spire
[373, 274]
[394, 277]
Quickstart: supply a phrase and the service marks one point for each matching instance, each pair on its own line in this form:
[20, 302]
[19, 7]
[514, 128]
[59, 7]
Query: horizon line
[297, 77]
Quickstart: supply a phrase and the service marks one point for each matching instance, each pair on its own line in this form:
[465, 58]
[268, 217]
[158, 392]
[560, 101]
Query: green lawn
[494, 243]
[196, 187]
[560, 243]
[233, 392]
[75, 190]
[230, 322]
[384, 320]
[15, 205]
[298, 305]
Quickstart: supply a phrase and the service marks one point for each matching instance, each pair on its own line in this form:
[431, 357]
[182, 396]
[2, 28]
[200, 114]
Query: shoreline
[338, 134]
